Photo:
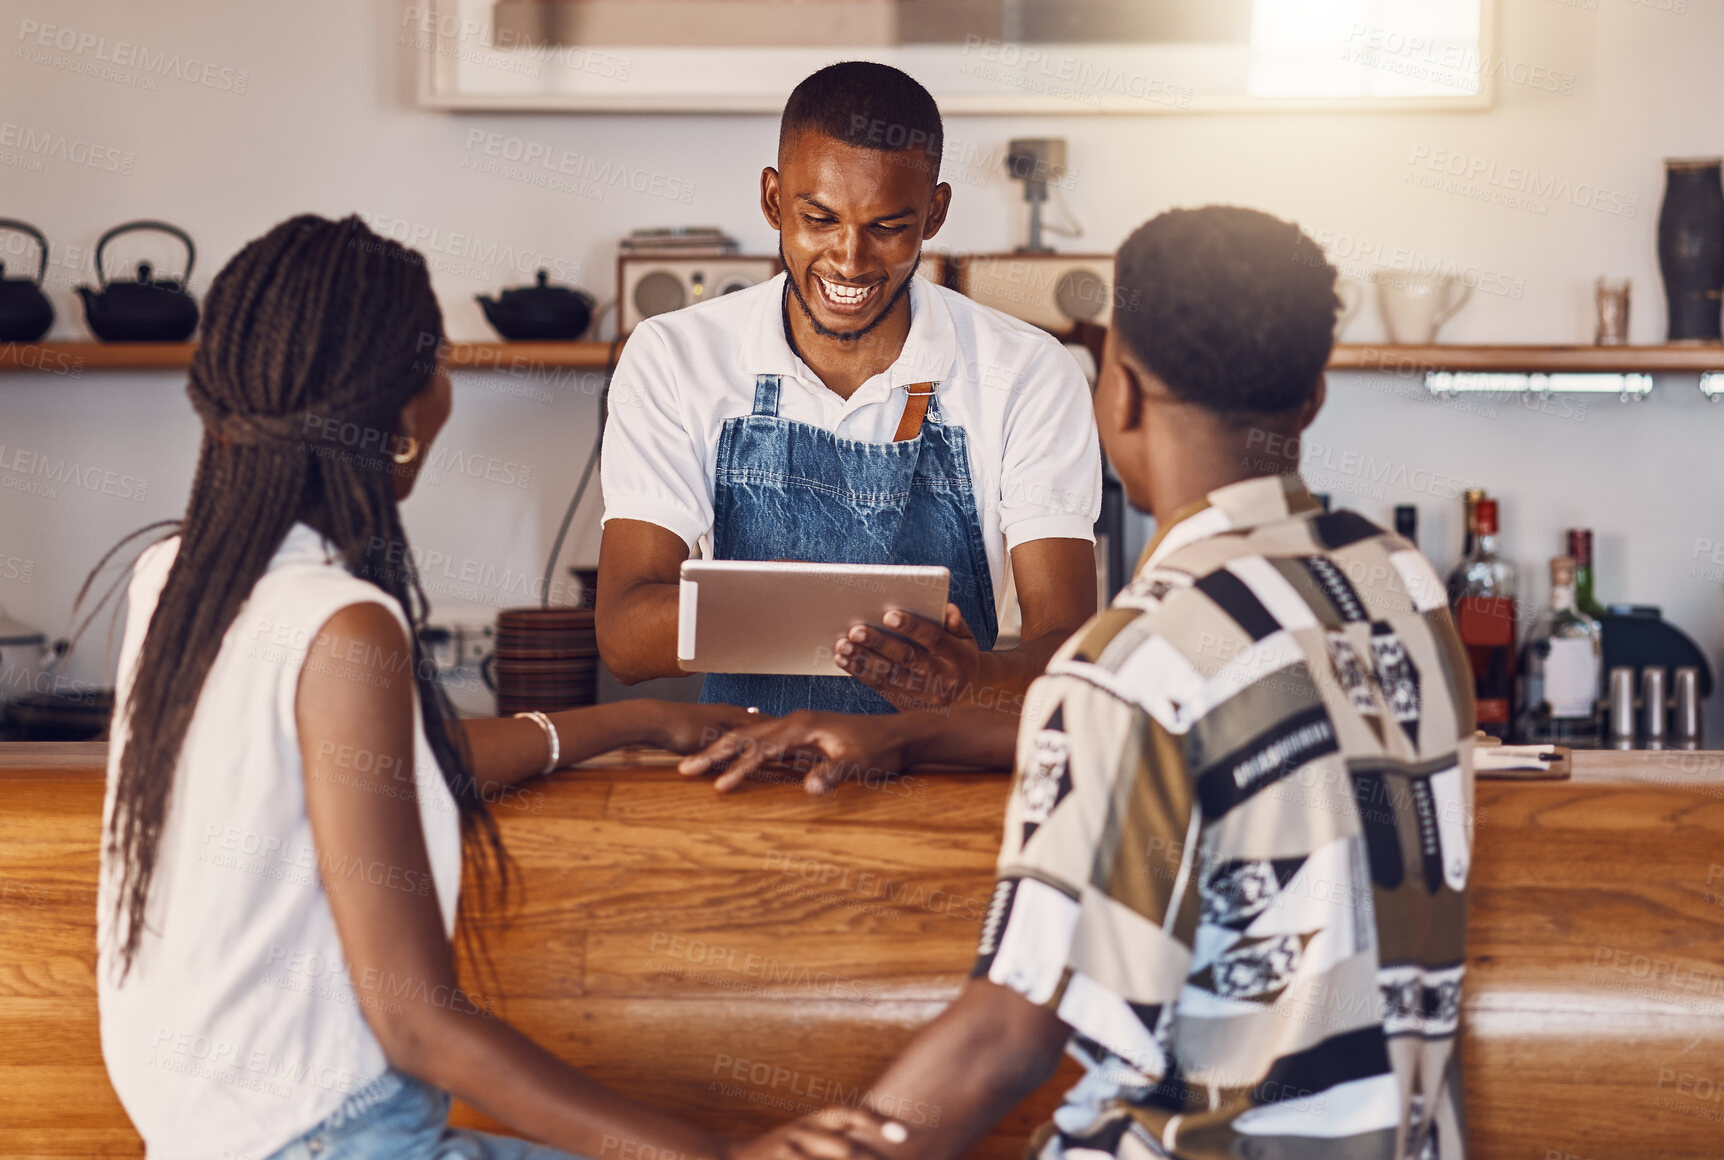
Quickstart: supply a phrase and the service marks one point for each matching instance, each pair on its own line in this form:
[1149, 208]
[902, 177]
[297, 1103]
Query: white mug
[1352, 296]
[1414, 307]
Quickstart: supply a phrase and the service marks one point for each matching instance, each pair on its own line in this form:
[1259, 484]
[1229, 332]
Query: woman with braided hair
[291, 802]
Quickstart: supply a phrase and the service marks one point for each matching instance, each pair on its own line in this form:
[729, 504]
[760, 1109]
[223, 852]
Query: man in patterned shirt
[1233, 882]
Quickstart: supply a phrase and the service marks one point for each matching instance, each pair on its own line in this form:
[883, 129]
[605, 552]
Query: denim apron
[792, 491]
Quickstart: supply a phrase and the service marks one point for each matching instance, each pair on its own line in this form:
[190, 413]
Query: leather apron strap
[915, 410]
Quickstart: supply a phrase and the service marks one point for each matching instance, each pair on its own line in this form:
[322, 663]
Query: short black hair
[1233, 309]
[868, 105]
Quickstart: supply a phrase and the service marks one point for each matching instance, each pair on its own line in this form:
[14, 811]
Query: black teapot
[539, 312]
[25, 312]
[144, 310]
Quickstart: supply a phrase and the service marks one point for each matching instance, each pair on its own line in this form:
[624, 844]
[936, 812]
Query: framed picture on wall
[976, 56]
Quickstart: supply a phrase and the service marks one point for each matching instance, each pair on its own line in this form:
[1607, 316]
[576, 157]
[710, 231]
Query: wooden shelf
[480, 356]
[77, 357]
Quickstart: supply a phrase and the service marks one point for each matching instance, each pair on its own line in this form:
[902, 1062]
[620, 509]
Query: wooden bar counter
[745, 958]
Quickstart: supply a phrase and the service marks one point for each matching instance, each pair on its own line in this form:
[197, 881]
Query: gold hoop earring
[409, 454]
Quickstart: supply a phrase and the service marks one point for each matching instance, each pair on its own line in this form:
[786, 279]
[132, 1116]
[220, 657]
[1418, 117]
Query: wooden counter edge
[1591, 766]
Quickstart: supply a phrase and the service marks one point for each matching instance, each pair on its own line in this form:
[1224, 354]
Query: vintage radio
[650, 284]
[1057, 292]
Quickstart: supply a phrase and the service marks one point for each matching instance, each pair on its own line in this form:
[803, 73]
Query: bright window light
[1365, 48]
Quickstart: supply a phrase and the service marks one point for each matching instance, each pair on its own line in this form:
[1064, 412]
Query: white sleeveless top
[238, 1027]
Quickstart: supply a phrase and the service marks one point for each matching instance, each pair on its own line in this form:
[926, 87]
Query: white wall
[326, 123]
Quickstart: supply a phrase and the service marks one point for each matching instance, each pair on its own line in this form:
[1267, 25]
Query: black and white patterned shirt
[1236, 856]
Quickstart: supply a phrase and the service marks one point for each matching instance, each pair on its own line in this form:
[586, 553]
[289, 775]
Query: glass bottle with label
[1564, 666]
[1580, 547]
[1471, 500]
[1482, 598]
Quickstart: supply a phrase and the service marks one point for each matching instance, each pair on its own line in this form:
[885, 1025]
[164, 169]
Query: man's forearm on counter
[965, 1071]
[969, 735]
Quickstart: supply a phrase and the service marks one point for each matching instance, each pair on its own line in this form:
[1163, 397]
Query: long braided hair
[316, 329]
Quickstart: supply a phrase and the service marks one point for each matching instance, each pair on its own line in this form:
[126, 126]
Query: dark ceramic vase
[1691, 248]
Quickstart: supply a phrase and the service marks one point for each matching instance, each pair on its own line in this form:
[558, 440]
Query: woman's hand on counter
[838, 1133]
[826, 748]
[506, 751]
[685, 728]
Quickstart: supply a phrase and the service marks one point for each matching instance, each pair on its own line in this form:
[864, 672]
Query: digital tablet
[746, 616]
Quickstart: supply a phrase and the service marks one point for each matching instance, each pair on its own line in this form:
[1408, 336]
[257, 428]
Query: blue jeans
[396, 1117]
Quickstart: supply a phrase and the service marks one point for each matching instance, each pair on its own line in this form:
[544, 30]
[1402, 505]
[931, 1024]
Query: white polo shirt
[1019, 395]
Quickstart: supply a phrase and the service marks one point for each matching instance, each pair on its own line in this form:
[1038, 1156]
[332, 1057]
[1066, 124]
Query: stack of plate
[547, 659]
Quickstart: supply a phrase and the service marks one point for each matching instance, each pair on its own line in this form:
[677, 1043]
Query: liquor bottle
[1580, 548]
[1564, 665]
[1482, 597]
[1469, 544]
[1407, 523]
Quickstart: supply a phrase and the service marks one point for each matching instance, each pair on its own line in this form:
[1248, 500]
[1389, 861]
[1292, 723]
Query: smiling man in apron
[848, 411]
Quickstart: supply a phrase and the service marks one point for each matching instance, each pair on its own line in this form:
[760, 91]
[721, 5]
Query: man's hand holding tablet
[917, 664]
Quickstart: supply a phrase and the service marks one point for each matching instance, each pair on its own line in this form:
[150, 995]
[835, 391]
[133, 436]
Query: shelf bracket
[1626, 387]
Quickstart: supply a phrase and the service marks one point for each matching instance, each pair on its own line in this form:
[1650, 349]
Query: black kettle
[540, 312]
[144, 310]
[25, 312]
